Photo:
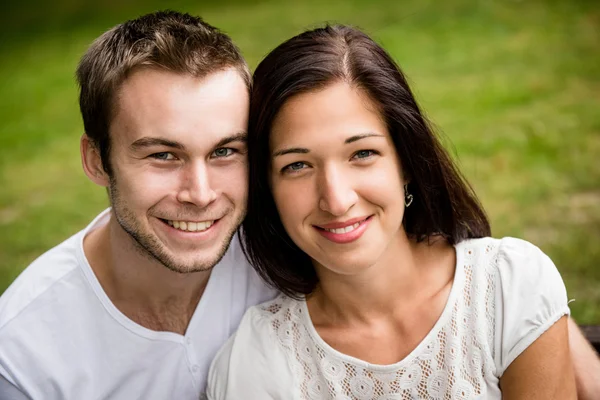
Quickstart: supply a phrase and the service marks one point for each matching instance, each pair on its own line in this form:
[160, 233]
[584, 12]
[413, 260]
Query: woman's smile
[344, 232]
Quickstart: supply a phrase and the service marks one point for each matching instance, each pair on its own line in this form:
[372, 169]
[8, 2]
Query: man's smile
[191, 226]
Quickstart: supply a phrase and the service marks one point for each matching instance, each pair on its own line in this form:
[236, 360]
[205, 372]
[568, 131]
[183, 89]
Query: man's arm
[544, 370]
[586, 364]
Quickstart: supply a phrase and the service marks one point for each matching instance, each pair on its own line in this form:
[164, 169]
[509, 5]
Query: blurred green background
[513, 86]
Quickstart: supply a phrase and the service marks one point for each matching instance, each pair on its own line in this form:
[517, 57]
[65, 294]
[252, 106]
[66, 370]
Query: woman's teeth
[347, 229]
[191, 226]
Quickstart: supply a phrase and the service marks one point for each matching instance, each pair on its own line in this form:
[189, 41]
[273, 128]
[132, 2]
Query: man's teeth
[347, 229]
[191, 226]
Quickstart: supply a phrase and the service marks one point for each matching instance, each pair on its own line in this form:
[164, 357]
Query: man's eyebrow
[354, 138]
[155, 141]
[282, 152]
[238, 137]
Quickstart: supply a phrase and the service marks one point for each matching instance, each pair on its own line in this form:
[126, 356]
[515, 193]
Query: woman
[392, 287]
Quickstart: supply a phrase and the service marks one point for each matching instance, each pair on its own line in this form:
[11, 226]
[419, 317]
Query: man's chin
[184, 256]
[189, 269]
[190, 260]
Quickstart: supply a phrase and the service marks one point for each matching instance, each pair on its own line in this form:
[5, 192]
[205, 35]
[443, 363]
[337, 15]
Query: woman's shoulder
[268, 316]
[273, 308]
[523, 291]
[263, 320]
[504, 253]
[244, 366]
[513, 270]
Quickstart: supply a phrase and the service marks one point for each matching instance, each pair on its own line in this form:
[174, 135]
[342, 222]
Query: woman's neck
[406, 275]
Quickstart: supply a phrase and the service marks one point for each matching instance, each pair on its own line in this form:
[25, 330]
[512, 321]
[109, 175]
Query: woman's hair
[444, 203]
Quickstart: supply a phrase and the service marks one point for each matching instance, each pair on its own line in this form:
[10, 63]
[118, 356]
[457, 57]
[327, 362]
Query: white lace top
[505, 294]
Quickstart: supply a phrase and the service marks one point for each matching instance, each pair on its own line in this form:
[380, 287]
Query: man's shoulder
[50, 277]
[46, 315]
[40, 277]
[244, 278]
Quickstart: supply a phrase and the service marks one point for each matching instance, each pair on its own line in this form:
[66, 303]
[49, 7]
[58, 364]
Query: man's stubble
[148, 244]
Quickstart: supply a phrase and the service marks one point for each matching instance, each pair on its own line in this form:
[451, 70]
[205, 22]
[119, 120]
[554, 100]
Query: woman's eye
[163, 155]
[293, 167]
[223, 152]
[364, 154]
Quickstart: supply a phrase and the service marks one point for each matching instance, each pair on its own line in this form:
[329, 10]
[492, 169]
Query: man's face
[178, 153]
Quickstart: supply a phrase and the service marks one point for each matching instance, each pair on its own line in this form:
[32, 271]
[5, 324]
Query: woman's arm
[544, 370]
[585, 363]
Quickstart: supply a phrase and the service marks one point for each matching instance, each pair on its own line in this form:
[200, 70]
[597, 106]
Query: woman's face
[336, 177]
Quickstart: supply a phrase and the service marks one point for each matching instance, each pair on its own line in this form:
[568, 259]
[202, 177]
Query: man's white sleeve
[9, 391]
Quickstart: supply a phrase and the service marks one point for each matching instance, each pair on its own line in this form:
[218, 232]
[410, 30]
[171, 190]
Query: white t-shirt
[505, 294]
[62, 338]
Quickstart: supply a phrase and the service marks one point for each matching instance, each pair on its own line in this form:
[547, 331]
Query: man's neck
[140, 286]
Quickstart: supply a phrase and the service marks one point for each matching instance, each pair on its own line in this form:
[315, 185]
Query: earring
[408, 198]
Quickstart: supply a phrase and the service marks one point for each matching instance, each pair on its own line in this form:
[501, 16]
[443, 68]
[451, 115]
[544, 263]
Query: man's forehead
[161, 89]
[180, 107]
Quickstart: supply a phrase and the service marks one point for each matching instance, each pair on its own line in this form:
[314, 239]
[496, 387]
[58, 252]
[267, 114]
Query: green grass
[512, 85]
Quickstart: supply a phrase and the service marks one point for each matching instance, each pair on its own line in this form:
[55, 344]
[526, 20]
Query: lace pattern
[451, 362]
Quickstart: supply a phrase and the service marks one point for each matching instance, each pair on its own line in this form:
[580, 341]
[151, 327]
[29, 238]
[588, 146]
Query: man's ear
[91, 161]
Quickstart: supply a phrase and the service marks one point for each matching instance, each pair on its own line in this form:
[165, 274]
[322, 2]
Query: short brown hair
[166, 40]
[444, 203]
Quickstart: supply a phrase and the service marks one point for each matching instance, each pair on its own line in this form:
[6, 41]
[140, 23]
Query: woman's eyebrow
[354, 138]
[300, 150]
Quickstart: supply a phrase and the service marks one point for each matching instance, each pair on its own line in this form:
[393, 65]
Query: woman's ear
[92, 162]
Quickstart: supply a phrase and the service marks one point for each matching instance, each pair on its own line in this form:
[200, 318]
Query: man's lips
[191, 225]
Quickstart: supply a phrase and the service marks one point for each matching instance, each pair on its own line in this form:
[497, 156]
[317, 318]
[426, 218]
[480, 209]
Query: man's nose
[196, 185]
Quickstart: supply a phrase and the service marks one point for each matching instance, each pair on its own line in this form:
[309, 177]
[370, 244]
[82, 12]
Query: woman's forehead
[338, 111]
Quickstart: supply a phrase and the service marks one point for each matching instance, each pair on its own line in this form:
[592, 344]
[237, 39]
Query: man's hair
[444, 203]
[165, 40]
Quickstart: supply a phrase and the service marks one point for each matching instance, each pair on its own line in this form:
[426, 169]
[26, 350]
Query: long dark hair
[444, 203]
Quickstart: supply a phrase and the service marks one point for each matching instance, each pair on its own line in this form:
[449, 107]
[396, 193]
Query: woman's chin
[345, 266]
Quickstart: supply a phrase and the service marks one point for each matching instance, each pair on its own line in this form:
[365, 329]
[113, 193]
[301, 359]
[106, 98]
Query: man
[131, 307]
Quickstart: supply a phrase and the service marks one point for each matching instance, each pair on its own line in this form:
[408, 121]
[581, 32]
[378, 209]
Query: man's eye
[223, 152]
[293, 167]
[164, 155]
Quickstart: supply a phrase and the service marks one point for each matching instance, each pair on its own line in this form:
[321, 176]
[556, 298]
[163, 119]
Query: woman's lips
[346, 231]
